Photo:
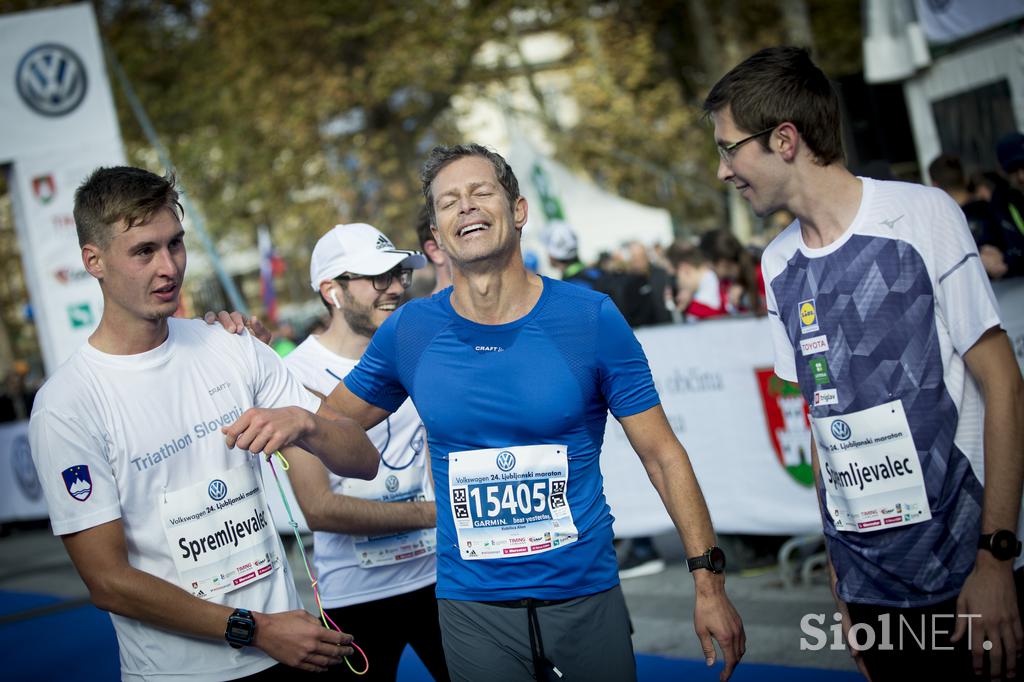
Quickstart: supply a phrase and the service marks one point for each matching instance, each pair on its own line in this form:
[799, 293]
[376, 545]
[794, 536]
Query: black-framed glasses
[727, 151]
[382, 282]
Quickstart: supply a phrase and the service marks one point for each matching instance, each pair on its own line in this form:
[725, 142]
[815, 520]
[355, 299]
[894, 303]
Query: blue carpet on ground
[55, 643]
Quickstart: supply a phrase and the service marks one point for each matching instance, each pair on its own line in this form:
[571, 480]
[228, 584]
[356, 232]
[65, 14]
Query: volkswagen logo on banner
[841, 430]
[51, 80]
[24, 469]
[506, 460]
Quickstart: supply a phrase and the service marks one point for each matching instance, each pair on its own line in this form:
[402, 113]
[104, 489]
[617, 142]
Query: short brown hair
[947, 173]
[780, 84]
[118, 193]
[680, 252]
[442, 155]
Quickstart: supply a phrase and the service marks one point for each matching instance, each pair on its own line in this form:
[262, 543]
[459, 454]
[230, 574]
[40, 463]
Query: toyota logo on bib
[51, 80]
[841, 430]
[506, 461]
[218, 489]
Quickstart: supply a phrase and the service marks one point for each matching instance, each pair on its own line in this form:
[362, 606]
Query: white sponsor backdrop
[59, 124]
[21, 495]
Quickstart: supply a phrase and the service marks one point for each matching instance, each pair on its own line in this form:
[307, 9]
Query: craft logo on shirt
[841, 430]
[826, 396]
[78, 482]
[815, 344]
[218, 489]
[808, 316]
[506, 461]
[489, 349]
[43, 188]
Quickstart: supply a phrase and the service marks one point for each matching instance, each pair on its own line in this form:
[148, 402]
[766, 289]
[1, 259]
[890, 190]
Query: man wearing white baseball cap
[373, 540]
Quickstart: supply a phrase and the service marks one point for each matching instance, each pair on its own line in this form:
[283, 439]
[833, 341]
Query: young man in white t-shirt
[143, 441]
[882, 312]
[374, 542]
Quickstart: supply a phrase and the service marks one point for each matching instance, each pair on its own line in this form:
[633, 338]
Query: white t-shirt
[126, 437]
[346, 569]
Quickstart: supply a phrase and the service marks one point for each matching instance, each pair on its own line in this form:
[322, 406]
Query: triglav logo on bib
[218, 489]
[506, 461]
[841, 430]
[51, 80]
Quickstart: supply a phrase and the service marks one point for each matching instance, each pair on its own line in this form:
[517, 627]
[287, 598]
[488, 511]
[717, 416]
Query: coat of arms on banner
[785, 411]
[43, 188]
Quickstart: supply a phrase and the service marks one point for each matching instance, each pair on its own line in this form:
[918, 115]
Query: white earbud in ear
[334, 297]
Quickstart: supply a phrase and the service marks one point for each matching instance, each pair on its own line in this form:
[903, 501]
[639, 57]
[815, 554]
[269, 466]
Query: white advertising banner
[951, 20]
[59, 124]
[745, 430]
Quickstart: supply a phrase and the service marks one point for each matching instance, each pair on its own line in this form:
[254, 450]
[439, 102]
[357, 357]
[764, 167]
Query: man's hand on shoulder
[236, 323]
[267, 430]
[297, 639]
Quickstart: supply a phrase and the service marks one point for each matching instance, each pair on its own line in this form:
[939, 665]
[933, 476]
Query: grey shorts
[587, 639]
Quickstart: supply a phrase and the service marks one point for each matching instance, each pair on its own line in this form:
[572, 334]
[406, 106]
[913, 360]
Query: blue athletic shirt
[890, 308]
[549, 377]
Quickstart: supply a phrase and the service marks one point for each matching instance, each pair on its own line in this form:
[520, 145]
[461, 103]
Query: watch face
[716, 557]
[1003, 545]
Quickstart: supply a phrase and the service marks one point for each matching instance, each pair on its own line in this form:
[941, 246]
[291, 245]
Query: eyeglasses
[382, 282]
[728, 151]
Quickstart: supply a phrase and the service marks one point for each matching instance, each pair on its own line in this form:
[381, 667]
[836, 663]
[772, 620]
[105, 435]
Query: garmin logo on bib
[870, 469]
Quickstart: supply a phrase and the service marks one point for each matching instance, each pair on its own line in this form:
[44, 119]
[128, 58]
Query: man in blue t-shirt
[882, 312]
[513, 375]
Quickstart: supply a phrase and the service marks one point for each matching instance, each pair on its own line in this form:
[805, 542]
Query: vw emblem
[841, 430]
[24, 469]
[51, 80]
[506, 461]
[218, 489]
[391, 483]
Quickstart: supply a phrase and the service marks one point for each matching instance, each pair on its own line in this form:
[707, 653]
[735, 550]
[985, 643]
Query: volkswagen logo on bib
[218, 489]
[391, 483]
[506, 461]
[51, 80]
[841, 430]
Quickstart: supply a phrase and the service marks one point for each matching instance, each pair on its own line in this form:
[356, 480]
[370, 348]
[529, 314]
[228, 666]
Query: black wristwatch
[712, 559]
[241, 629]
[1003, 544]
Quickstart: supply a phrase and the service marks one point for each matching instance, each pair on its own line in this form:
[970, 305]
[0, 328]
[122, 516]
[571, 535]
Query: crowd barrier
[745, 430]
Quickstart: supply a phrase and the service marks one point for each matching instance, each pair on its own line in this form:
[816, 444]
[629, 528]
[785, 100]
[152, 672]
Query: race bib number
[510, 501]
[870, 470]
[220, 533]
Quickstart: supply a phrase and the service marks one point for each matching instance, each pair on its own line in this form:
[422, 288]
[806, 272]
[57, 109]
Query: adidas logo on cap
[384, 243]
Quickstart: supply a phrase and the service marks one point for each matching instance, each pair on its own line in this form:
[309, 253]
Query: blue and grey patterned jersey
[886, 313]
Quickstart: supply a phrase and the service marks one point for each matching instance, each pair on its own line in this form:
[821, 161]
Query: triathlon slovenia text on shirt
[549, 378]
[874, 327]
[138, 438]
[355, 570]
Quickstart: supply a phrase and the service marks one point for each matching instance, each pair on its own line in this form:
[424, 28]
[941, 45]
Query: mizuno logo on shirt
[891, 224]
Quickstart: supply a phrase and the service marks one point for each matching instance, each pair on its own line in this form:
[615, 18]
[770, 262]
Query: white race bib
[398, 486]
[510, 502]
[871, 470]
[220, 532]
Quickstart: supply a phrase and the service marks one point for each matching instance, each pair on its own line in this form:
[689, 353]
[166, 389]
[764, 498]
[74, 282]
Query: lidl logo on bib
[506, 461]
[808, 316]
[78, 482]
[217, 489]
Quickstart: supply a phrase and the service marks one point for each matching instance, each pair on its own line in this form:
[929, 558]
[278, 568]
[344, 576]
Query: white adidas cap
[360, 249]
